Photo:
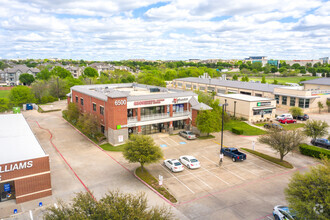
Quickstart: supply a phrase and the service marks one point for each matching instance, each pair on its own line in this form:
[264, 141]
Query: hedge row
[313, 151]
[237, 130]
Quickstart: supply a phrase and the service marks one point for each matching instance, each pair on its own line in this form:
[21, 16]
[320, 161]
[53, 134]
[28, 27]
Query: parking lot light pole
[222, 122]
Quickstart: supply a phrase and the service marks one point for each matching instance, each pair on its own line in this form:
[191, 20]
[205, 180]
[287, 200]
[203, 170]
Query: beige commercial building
[306, 97]
[252, 108]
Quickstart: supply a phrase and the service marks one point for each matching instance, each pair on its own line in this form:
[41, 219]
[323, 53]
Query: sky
[164, 30]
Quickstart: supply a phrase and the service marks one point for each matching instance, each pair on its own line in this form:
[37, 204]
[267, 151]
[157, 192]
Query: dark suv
[303, 117]
[273, 125]
[321, 142]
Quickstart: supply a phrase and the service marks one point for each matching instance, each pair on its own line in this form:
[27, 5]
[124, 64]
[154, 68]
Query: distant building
[261, 59]
[11, 75]
[302, 62]
[325, 60]
[75, 71]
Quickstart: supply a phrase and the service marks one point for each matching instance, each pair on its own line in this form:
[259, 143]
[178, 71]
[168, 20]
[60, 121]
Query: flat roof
[17, 141]
[318, 81]
[233, 84]
[133, 91]
[243, 97]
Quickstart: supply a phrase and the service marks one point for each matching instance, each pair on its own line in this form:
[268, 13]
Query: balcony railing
[157, 116]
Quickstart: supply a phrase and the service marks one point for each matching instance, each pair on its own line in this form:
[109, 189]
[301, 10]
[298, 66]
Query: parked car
[273, 125]
[188, 134]
[233, 153]
[190, 162]
[321, 142]
[281, 212]
[287, 121]
[283, 116]
[174, 165]
[303, 117]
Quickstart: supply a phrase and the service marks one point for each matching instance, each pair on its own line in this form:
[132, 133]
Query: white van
[283, 116]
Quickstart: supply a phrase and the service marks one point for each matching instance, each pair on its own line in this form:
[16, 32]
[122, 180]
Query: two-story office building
[131, 108]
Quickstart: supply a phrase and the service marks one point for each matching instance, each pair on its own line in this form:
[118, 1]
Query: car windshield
[190, 133]
[177, 164]
[327, 141]
[193, 160]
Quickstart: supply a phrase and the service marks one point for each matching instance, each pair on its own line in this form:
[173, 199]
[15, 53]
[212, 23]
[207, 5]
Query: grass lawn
[270, 158]
[292, 126]
[4, 93]
[261, 124]
[283, 80]
[109, 147]
[153, 182]
[247, 129]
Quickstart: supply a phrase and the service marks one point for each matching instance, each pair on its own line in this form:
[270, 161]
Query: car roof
[189, 157]
[174, 160]
[231, 148]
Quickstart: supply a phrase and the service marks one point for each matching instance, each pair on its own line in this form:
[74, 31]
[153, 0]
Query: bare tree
[282, 142]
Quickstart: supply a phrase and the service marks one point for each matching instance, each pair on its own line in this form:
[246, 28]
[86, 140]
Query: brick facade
[30, 183]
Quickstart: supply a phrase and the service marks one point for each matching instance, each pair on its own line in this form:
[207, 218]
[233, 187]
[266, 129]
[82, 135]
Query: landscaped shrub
[313, 151]
[237, 130]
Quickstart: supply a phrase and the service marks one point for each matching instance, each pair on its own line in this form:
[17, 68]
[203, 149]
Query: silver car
[188, 134]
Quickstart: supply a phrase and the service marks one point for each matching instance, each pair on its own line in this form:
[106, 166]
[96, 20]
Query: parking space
[210, 177]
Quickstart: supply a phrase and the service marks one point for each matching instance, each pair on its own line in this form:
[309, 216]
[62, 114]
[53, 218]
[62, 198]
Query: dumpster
[29, 106]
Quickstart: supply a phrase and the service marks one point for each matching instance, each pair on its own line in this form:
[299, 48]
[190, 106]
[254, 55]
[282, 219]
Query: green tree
[114, 205]
[57, 87]
[43, 74]
[20, 95]
[26, 79]
[88, 123]
[4, 104]
[316, 128]
[274, 69]
[263, 79]
[283, 142]
[275, 82]
[142, 149]
[73, 113]
[235, 77]
[60, 72]
[282, 70]
[39, 89]
[90, 72]
[295, 111]
[320, 106]
[207, 122]
[328, 104]
[308, 193]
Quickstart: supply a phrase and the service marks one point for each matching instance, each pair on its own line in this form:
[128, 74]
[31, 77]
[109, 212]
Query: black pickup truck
[233, 153]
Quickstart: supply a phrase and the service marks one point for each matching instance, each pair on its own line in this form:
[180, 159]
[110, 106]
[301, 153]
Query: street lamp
[223, 115]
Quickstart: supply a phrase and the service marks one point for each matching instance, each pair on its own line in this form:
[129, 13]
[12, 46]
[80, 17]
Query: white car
[174, 165]
[281, 212]
[190, 162]
[284, 116]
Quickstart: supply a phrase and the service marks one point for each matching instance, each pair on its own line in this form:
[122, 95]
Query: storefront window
[178, 108]
[188, 86]
[179, 84]
[301, 103]
[284, 100]
[292, 101]
[277, 98]
[306, 103]
[194, 86]
[223, 91]
[152, 110]
[262, 112]
[178, 124]
[210, 89]
[202, 88]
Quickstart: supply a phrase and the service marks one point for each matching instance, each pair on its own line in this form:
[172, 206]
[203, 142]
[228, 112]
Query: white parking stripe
[165, 141]
[261, 167]
[177, 179]
[210, 160]
[234, 174]
[216, 176]
[246, 169]
[175, 143]
[200, 179]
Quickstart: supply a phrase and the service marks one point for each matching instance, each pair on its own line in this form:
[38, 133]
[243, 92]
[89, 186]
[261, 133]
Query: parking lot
[189, 184]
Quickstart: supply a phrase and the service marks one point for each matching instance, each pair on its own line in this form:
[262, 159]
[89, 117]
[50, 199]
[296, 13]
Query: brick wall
[194, 117]
[116, 114]
[39, 165]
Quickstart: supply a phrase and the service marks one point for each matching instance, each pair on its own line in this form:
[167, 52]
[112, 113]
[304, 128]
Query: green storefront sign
[16, 110]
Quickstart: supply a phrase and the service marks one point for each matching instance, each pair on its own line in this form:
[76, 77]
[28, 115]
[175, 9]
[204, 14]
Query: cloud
[169, 29]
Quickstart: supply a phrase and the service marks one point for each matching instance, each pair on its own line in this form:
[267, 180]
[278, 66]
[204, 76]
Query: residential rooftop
[318, 81]
[243, 97]
[233, 84]
[133, 91]
[17, 141]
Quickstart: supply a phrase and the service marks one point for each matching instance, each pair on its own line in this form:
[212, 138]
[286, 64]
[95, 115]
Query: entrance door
[7, 191]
